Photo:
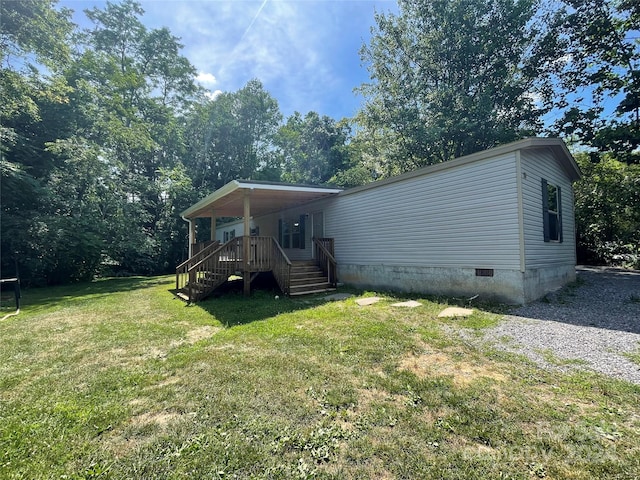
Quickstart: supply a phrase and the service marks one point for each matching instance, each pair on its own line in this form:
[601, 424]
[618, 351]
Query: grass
[117, 379]
[634, 356]
[552, 359]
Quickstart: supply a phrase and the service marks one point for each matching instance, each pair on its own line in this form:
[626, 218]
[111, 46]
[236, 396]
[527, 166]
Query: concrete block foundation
[507, 286]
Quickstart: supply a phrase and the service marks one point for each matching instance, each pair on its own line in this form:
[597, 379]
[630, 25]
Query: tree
[608, 211]
[591, 58]
[231, 137]
[313, 149]
[448, 79]
[139, 86]
[34, 51]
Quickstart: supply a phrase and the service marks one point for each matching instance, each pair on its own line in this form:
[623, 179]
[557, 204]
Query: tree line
[106, 135]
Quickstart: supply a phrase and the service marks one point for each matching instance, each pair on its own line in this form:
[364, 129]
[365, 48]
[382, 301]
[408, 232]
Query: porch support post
[213, 225]
[192, 235]
[246, 245]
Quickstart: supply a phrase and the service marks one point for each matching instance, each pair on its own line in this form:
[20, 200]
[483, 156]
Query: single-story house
[497, 223]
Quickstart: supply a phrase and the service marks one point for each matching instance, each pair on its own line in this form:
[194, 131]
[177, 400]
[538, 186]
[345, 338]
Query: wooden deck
[213, 264]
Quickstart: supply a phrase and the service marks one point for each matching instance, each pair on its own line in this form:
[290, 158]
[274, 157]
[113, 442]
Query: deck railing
[204, 249]
[261, 254]
[208, 269]
[215, 268]
[200, 246]
[323, 253]
[281, 267]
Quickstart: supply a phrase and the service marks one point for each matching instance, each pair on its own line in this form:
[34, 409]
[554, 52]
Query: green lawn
[117, 379]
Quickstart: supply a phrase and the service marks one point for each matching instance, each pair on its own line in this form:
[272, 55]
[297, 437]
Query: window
[286, 235]
[552, 215]
[295, 235]
[292, 233]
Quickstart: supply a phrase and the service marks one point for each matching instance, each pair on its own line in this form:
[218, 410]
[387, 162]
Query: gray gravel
[589, 325]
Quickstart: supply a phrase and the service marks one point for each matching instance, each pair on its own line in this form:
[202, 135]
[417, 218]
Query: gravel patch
[589, 325]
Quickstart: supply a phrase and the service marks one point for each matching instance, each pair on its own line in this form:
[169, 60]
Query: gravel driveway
[589, 325]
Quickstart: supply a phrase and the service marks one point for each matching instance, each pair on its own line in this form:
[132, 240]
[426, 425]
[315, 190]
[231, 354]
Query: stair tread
[309, 281]
[182, 296]
[309, 292]
[309, 285]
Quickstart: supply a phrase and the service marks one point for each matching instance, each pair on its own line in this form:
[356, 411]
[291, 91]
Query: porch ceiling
[228, 201]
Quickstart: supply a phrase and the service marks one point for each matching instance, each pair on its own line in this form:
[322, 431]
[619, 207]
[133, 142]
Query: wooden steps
[307, 278]
[202, 287]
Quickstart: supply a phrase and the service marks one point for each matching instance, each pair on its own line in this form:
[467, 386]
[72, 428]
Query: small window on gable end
[552, 214]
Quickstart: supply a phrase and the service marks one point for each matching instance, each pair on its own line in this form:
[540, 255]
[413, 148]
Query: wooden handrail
[217, 250]
[202, 252]
[281, 267]
[281, 251]
[324, 249]
[200, 275]
[183, 268]
[213, 270]
[325, 260]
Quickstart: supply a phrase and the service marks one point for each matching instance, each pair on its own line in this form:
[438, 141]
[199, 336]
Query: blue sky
[304, 51]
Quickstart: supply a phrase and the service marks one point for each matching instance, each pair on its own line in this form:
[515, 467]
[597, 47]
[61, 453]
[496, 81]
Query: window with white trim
[552, 212]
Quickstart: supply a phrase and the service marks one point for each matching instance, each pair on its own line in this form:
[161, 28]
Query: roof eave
[212, 197]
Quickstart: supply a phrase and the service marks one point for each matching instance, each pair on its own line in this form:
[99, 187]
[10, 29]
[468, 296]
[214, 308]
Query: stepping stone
[409, 304]
[455, 312]
[363, 302]
[338, 296]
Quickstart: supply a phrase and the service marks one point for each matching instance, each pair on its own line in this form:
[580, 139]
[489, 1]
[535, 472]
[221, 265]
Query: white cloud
[304, 52]
[206, 78]
[212, 95]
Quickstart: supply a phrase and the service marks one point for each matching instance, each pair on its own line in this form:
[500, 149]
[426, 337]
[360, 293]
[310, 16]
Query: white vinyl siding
[269, 227]
[223, 232]
[537, 165]
[465, 216]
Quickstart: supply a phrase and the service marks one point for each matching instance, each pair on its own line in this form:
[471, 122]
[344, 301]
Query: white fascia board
[212, 197]
[289, 188]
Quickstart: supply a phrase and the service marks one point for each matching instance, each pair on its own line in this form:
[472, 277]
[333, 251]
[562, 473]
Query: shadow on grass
[230, 307]
[37, 298]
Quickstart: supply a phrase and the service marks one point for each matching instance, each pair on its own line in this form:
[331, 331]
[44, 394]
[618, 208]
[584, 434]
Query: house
[497, 223]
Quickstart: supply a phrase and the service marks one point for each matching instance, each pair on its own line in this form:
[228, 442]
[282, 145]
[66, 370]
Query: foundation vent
[484, 272]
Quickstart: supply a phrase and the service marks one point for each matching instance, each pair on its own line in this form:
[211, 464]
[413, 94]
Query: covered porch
[212, 260]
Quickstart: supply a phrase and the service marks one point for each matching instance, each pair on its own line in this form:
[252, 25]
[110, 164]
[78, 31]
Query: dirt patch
[123, 441]
[161, 419]
[200, 333]
[439, 363]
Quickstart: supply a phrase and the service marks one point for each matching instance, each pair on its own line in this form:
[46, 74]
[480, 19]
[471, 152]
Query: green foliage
[106, 138]
[34, 27]
[608, 211]
[312, 148]
[447, 79]
[589, 59]
[231, 137]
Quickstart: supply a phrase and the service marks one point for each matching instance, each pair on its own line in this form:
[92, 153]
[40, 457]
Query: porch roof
[266, 197]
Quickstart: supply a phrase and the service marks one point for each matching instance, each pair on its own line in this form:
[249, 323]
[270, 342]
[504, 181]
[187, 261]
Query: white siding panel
[269, 228]
[465, 216]
[536, 165]
[237, 227]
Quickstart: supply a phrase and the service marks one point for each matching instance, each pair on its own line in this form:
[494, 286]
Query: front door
[318, 225]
